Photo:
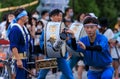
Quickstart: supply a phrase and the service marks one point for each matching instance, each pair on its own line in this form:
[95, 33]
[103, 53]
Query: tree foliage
[0, 7]
[9, 3]
[107, 8]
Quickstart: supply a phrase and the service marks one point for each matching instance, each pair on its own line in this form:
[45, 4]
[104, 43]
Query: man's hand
[19, 63]
[112, 43]
[70, 32]
[81, 45]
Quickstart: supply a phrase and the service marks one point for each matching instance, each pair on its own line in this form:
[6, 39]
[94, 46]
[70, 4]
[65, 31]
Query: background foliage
[108, 8]
[9, 3]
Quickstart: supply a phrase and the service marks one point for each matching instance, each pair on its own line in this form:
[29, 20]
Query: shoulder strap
[15, 24]
[21, 29]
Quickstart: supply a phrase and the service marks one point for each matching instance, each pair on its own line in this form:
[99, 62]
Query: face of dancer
[91, 30]
[57, 18]
[24, 19]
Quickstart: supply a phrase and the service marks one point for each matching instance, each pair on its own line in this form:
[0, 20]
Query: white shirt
[109, 34]
[44, 22]
[116, 50]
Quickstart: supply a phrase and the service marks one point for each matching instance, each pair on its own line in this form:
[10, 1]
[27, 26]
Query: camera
[59, 42]
[63, 35]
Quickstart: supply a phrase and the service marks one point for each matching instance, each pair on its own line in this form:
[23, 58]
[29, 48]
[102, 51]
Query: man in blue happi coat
[19, 42]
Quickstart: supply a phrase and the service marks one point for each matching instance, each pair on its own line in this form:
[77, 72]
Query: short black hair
[34, 11]
[55, 12]
[91, 20]
[4, 17]
[18, 11]
[44, 12]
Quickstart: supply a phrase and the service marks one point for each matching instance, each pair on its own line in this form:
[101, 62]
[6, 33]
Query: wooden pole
[24, 6]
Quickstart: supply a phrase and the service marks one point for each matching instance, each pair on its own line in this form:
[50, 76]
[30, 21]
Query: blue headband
[23, 13]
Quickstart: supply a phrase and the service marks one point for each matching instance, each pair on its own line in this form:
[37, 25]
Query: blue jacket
[96, 58]
[16, 39]
[41, 41]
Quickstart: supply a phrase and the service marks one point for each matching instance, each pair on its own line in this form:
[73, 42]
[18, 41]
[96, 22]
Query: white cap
[93, 15]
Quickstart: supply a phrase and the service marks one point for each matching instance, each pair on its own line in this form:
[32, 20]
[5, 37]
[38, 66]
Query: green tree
[86, 6]
[0, 7]
[107, 8]
[9, 3]
[117, 6]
